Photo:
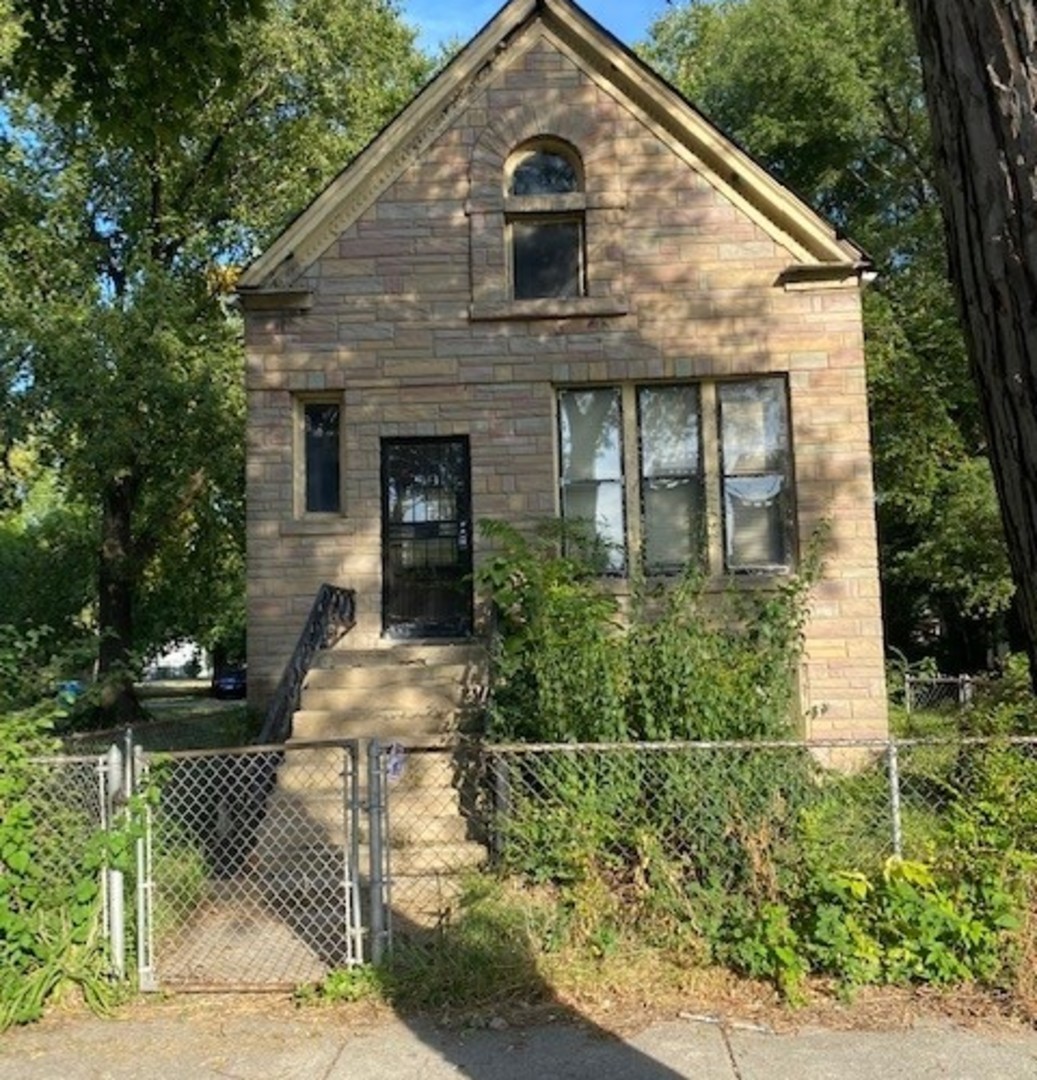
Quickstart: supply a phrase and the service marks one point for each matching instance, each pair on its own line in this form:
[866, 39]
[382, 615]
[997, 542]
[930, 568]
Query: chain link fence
[940, 692]
[723, 816]
[74, 802]
[271, 866]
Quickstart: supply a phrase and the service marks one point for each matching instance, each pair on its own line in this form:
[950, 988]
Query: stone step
[346, 676]
[320, 771]
[418, 813]
[418, 698]
[319, 868]
[389, 726]
[471, 655]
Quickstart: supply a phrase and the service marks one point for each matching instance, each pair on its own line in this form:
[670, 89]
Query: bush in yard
[749, 855]
[682, 663]
[560, 670]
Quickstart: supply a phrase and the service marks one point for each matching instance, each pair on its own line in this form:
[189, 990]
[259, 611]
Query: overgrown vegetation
[751, 856]
[572, 665]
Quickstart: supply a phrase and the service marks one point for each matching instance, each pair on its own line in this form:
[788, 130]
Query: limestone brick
[699, 297]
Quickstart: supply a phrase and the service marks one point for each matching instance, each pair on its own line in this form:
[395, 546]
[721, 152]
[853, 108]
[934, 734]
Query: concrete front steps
[410, 693]
[424, 698]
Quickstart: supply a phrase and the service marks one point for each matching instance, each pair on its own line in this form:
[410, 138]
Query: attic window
[545, 208]
[541, 172]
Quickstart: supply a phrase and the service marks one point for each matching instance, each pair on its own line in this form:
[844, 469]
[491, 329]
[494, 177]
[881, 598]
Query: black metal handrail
[333, 614]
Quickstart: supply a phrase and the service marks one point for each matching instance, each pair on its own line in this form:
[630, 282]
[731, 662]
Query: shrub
[682, 663]
[51, 855]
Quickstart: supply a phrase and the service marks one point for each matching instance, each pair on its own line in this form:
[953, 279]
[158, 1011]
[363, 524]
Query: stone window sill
[548, 308]
[331, 525]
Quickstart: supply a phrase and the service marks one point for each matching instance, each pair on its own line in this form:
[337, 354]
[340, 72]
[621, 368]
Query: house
[550, 286]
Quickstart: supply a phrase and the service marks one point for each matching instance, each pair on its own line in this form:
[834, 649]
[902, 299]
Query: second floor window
[544, 205]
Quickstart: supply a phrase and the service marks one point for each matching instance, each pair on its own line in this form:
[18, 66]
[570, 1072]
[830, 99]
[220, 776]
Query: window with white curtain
[754, 451]
[667, 475]
[591, 440]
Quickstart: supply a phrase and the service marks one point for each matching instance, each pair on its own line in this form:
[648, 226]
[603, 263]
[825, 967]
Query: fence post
[893, 768]
[116, 769]
[146, 979]
[907, 692]
[501, 800]
[965, 691]
[375, 807]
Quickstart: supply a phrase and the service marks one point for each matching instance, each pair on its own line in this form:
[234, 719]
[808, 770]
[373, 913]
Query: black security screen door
[426, 538]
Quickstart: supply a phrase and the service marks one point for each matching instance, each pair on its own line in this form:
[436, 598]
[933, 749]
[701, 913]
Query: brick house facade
[549, 287]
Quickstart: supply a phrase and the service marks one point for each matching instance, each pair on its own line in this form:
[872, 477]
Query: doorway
[426, 538]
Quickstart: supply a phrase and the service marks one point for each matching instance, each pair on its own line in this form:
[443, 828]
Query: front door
[426, 538]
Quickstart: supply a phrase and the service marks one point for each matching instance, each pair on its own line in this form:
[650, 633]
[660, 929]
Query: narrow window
[590, 436]
[545, 215]
[321, 422]
[672, 492]
[754, 448]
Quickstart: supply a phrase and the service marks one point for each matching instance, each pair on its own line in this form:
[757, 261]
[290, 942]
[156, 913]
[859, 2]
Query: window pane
[673, 521]
[592, 466]
[601, 507]
[754, 426]
[590, 425]
[322, 458]
[669, 428]
[546, 258]
[754, 446]
[543, 173]
[755, 517]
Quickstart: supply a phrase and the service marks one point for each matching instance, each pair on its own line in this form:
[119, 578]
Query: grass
[178, 721]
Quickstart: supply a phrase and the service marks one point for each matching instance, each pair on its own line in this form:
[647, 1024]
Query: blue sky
[439, 20]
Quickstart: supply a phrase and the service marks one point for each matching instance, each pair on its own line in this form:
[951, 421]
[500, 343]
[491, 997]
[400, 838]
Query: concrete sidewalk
[221, 1041]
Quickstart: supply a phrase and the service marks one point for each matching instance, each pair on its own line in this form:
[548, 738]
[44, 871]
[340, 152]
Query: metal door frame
[464, 523]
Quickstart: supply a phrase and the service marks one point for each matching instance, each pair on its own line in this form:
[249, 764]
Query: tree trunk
[980, 70]
[115, 606]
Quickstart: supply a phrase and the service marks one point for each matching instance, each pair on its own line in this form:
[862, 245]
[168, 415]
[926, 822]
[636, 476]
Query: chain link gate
[77, 795]
[248, 870]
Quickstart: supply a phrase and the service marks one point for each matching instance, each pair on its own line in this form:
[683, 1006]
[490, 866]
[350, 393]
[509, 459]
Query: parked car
[231, 682]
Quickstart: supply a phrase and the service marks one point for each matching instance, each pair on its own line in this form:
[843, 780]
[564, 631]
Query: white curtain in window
[754, 520]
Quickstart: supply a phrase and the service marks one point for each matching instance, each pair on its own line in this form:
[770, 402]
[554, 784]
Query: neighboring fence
[72, 798]
[271, 866]
[939, 691]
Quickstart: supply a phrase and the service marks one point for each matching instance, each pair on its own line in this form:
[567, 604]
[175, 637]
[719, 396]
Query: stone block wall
[411, 330]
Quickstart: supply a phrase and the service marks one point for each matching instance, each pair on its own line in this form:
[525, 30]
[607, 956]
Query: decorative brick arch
[521, 125]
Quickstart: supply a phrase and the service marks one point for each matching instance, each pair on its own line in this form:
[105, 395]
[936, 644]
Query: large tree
[979, 59]
[137, 182]
[828, 94]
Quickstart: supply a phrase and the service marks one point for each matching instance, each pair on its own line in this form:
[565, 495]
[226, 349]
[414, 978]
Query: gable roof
[815, 245]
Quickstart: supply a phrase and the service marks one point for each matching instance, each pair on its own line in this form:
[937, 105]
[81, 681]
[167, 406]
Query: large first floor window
[671, 474]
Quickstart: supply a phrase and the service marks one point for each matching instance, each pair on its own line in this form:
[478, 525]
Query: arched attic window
[545, 207]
